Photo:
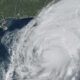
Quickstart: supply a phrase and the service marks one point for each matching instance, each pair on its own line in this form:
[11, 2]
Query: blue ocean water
[17, 23]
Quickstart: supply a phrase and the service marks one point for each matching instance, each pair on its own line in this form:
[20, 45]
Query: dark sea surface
[11, 24]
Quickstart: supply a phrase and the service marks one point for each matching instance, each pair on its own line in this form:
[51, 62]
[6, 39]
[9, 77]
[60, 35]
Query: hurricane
[48, 47]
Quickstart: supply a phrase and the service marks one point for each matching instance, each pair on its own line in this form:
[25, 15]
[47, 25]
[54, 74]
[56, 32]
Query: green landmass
[20, 8]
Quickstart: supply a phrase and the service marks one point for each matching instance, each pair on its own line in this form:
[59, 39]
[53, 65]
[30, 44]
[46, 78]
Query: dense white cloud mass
[48, 50]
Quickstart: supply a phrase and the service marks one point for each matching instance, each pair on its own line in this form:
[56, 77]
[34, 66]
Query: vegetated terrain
[20, 8]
